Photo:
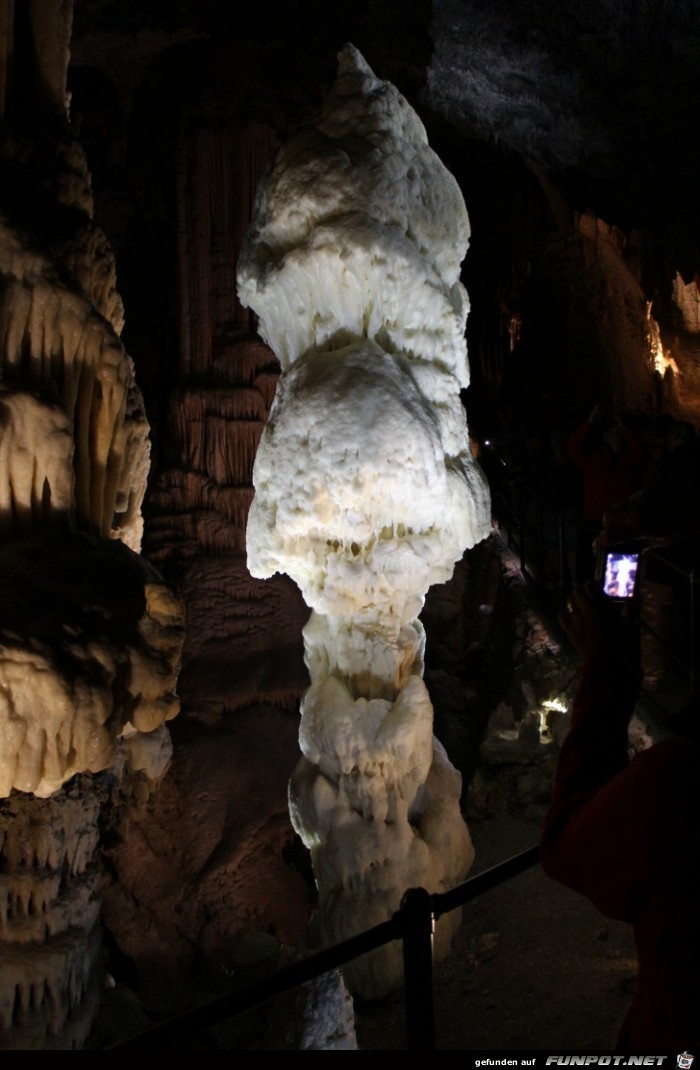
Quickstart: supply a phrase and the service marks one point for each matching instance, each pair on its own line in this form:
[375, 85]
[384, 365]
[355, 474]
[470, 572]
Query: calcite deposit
[75, 433]
[366, 491]
[90, 635]
[89, 645]
[50, 975]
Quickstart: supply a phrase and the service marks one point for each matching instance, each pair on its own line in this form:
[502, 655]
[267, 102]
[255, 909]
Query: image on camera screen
[620, 575]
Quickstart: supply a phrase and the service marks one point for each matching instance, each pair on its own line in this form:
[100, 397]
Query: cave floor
[534, 966]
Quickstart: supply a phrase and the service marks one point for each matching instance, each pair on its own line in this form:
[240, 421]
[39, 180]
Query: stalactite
[49, 918]
[77, 359]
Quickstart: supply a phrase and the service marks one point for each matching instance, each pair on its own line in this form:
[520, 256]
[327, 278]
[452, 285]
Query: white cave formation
[366, 491]
[90, 635]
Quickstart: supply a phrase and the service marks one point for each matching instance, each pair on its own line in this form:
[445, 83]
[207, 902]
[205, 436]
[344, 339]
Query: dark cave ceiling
[603, 90]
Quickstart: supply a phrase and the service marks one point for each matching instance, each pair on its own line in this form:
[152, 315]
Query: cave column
[366, 491]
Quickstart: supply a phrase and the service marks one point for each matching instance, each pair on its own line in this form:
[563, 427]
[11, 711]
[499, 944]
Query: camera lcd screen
[620, 575]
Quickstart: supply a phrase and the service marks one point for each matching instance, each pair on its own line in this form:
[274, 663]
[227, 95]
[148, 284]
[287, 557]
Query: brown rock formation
[90, 635]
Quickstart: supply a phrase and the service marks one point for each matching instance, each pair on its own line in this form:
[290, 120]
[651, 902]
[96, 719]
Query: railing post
[418, 969]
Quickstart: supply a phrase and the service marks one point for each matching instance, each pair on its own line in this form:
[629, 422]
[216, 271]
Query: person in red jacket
[626, 833]
[610, 458]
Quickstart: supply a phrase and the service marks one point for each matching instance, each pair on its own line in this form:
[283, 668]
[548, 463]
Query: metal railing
[542, 537]
[413, 923]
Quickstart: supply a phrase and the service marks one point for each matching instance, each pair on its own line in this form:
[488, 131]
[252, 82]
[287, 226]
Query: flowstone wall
[90, 635]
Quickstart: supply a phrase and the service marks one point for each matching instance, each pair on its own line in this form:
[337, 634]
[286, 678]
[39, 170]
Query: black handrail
[483, 882]
[413, 923]
[260, 992]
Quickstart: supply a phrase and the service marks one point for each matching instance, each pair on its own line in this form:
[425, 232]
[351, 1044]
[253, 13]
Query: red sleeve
[594, 838]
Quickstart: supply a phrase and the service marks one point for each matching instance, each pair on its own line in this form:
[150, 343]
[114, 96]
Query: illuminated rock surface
[366, 492]
[90, 635]
[99, 662]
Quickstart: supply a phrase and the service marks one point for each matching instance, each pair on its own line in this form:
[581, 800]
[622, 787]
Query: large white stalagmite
[366, 491]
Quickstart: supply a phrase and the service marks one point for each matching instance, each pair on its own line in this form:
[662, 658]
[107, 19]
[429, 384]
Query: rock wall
[194, 880]
[564, 255]
[90, 635]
